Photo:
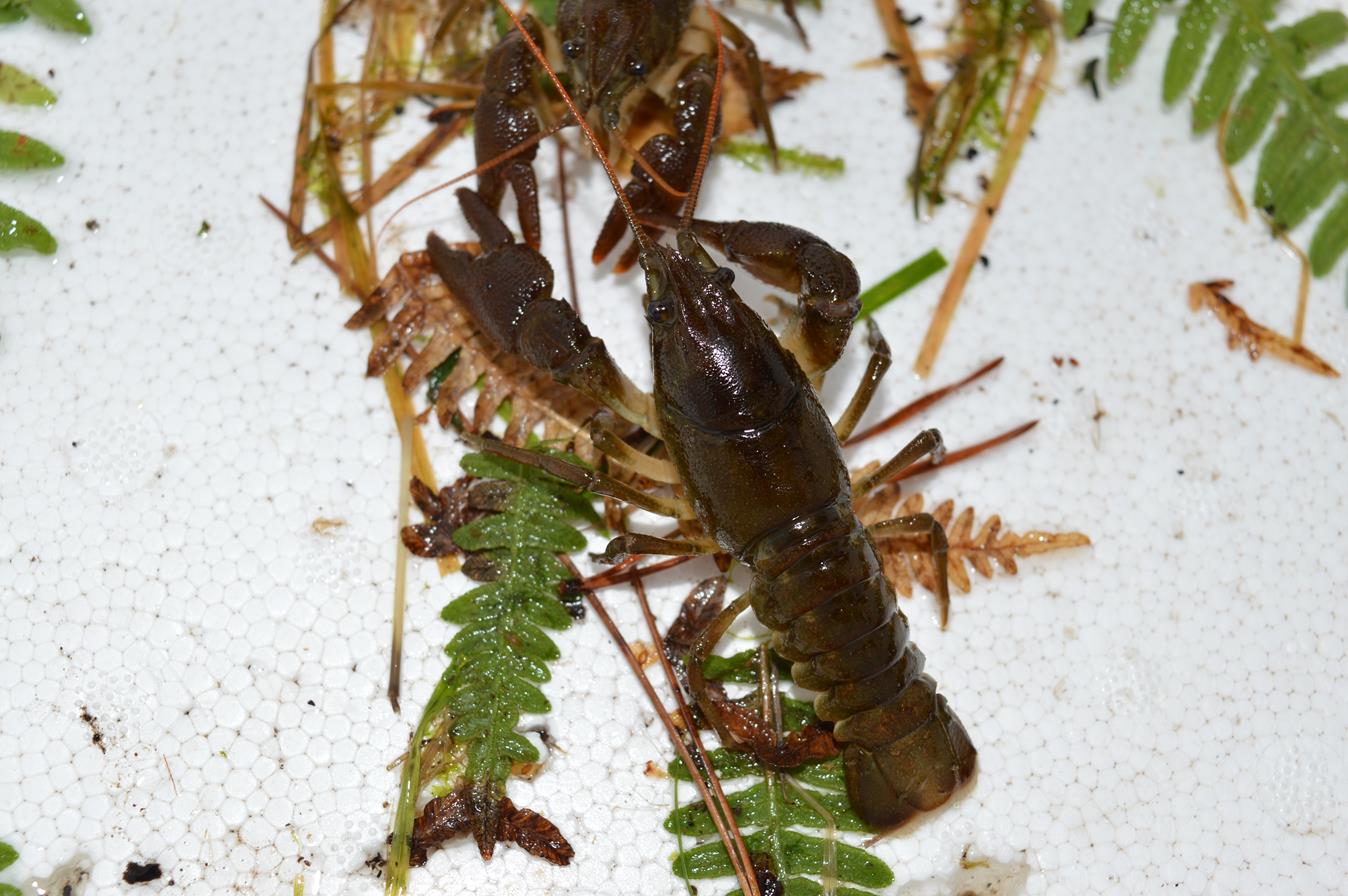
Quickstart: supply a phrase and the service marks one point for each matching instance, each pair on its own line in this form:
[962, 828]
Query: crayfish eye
[571, 49]
[723, 277]
[636, 68]
[660, 312]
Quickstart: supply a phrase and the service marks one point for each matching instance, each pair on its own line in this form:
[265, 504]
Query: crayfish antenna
[704, 154]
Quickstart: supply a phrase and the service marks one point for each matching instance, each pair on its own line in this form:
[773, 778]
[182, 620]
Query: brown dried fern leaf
[460, 813]
[427, 324]
[1257, 338]
[737, 116]
[983, 549]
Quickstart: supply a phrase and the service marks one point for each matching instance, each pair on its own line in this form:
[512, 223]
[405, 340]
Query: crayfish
[746, 460]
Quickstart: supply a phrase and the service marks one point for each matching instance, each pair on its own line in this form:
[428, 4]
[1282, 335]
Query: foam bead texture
[193, 675]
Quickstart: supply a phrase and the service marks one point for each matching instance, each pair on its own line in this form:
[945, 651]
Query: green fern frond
[19, 151]
[757, 156]
[1256, 72]
[780, 824]
[499, 656]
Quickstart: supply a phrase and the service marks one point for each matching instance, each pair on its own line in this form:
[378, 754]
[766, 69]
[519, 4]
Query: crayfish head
[716, 363]
[611, 45]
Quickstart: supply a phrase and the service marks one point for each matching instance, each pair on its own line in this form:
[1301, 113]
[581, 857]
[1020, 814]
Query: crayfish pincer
[614, 54]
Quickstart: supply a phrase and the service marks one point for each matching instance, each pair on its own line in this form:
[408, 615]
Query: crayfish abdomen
[819, 586]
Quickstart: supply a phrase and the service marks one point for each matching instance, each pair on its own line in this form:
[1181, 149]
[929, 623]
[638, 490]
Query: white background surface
[1162, 713]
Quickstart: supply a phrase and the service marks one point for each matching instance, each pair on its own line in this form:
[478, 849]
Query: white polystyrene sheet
[1164, 712]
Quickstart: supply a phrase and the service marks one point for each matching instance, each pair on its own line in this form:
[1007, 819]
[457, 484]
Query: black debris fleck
[136, 873]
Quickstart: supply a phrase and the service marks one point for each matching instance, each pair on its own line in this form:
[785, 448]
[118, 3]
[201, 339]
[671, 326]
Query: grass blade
[902, 280]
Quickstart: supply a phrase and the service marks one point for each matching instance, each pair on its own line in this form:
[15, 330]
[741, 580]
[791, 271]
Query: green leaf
[8, 855]
[520, 748]
[65, 15]
[1131, 28]
[1251, 115]
[902, 280]
[1318, 31]
[18, 231]
[509, 531]
[6, 889]
[1074, 15]
[728, 764]
[804, 886]
[828, 774]
[1330, 86]
[1280, 154]
[804, 855]
[545, 10]
[11, 12]
[1222, 78]
[22, 89]
[1189, 47]
[19, 151]
[438, 375]
[753, 808]
[736, 668]
[1331, 238]
[1305, 187]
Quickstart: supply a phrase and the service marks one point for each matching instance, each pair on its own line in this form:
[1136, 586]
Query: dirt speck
[95, 732]
[136, 873]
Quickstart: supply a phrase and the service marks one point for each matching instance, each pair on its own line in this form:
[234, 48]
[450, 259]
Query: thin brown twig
[918, 90]
[747, 880]
[628, 570]
[722, 805]
[954, 457]
[1303, 285]
[298, 239]
[408, 164]
[987, 209]
[918, 405]
[566, 227]
[405, 425]
[1232, 189]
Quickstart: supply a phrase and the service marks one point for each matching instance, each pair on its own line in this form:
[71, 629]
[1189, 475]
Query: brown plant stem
[743, 874]
[987, 209]
[919, 92]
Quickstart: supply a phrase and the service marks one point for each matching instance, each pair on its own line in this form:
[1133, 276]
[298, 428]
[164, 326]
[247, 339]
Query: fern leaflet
[1255, 71]
[776, 810]
[468, 737]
